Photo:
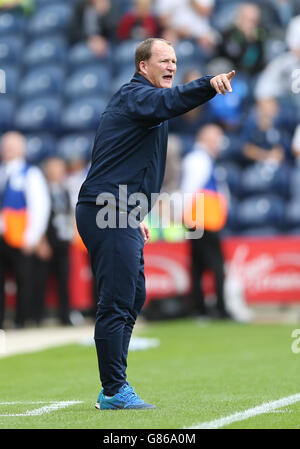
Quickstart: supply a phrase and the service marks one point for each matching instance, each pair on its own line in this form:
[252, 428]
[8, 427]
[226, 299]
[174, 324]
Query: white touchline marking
[266, 407]
[42, 410]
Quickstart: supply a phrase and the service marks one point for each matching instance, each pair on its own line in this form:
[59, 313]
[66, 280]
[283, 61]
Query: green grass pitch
[199, 373]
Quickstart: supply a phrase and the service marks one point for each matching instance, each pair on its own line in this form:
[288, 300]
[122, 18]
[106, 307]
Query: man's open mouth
[168, 77]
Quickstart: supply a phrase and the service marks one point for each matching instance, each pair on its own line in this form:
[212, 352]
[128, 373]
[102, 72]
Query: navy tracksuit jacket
[129, 149]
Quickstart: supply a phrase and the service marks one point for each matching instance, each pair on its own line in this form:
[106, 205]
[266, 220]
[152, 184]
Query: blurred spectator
[53, 255]
[280, 78]
[198, 176]
[25, 6]
[77, 170]
[296, 145]
[284, 9]
[243, 42]
[24, 213]
[187, 125]
[94, 21]
[263, 140]
[190, 19]
[138, 23]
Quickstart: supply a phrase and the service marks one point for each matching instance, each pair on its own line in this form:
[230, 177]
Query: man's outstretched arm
[151, 103]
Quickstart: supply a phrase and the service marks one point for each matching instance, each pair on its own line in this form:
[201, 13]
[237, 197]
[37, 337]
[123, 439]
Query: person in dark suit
[128, 161]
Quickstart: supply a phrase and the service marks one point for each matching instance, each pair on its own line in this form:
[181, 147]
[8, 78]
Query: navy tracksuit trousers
[117, 263]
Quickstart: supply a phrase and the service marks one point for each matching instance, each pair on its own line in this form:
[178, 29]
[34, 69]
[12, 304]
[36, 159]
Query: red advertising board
[268, 269]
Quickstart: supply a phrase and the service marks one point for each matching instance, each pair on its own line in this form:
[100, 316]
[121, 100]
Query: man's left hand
[221, 83]
[145, 232]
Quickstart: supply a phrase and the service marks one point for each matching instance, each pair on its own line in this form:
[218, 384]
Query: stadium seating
[124, 76]
[123, 55]
[264, 178]
[263, 231]
[292, 213]
[295, 181]
[88, 80]
[39, 146]
[11, 23]
[45, 50]
[51, 18]
[80, 54]
[12, 78]
[230, 173]
[11, 48]
[39, 114]
[259, 211]
[7, 112]
[45, 80]
[82, 114]
[75, 146]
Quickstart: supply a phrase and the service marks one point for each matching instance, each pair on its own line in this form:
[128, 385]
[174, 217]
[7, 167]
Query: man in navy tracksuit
[130, 151]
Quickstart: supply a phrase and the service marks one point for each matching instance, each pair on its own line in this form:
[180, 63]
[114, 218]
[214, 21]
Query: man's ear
[143, 67]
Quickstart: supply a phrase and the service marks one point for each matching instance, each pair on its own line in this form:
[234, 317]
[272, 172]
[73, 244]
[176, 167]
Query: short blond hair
[143, 50]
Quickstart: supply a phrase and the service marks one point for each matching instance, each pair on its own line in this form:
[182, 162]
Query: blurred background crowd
[62, 62]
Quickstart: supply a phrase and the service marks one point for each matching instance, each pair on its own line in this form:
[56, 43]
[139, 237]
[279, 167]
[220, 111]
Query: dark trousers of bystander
[206, 254]
[59, 266]
[20, 265]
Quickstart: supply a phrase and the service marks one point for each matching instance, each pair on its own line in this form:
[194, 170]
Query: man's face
[160, 69]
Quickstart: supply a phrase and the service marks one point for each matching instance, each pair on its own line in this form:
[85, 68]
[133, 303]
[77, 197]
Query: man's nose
[171, 67]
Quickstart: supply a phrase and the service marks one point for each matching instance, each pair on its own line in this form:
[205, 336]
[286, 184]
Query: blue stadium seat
[262, 178]
[46, 50]
[273, 47]
[292, 216]
[44, 80]
[123, 55]
[11, 23]
[295, 181]
[80, 54]
[260, 211]
[88, 80]
[224, 14]
[231, 222]
[76, 146]
[264, 231]
[188, 54]
[39, 114]
[51, 18]
[12, 77]
[124, 76]
[83, 114]
[39, 146]
[232, 149]
[11, 48]
[7, 112]
[230, 174]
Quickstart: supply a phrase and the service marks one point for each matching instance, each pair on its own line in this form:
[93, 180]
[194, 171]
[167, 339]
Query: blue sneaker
[126, 399]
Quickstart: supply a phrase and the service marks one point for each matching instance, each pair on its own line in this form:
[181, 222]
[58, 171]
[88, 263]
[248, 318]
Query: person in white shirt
[24, 214]
[198, 176]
